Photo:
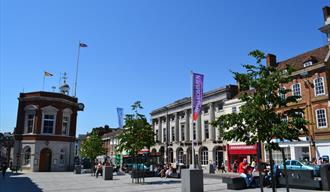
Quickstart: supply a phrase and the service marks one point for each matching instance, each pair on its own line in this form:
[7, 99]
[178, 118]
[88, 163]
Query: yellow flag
[47, 74]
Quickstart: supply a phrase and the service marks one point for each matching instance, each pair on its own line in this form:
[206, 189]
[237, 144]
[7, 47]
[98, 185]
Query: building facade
[45, 131]
[174, 129]
[311, 80]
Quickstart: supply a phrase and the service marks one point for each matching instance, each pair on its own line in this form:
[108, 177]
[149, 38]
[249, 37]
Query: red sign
[242, 149]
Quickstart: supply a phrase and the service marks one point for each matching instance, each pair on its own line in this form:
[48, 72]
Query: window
[308, 63]
[194, 131]
[319, 86]
[27, 156]
[234, 110]
[66, 121]
[156, 135]
[173, 134]
[182, 132]
[62, 156]
[296, 89]
[206, 126]
[65, 125]
[48, 123]
[321, 118]
[29, 118]
[180, 155]
[48, 119]
[220, 106]
[29, 122]
[205, 157]
[206, 110]
[164, 135]
[284, 118]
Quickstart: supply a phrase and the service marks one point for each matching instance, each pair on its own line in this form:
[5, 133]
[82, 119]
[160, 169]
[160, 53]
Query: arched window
[180, 155]
[27, 156]
[205, 156]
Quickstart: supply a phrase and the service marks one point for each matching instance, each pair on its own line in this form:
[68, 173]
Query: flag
[197, 94]
[82, 45]
[47, 74]
[120, 112]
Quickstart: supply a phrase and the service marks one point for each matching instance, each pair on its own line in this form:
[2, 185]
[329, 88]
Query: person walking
[223, 168]
[4, 169]
[99, 169]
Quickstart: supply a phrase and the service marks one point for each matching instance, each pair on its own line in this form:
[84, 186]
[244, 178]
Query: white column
[292, 152]
[212, 118]
[160, 130]
[177, 127]
[187, 127]
[199, 128]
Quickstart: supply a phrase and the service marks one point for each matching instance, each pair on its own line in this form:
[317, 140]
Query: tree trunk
[272, 170]
[285, 172]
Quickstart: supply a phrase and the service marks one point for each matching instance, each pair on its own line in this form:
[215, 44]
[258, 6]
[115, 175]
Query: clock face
[81, 106]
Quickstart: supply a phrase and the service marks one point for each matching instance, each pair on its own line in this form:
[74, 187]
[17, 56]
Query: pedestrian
[4, 169]
[99, 169]
[235, 166]
[223, 168]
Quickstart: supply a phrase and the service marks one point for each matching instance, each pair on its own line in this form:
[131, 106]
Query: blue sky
[142, 49]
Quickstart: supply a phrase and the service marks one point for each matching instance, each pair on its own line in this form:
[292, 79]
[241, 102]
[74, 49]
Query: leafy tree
[260, 119]
[92, 146]
[137, 132]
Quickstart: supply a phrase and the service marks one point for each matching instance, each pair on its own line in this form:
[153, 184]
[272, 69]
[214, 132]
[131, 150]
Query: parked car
[297, 165]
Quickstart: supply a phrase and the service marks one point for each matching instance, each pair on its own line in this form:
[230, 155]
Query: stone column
[177, 127]
[199, 129]
[160, 130]
[212, 118]
[187, 127]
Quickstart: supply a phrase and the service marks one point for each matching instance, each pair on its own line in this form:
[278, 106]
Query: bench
[237, 182]
[301, 179]
[234, 182]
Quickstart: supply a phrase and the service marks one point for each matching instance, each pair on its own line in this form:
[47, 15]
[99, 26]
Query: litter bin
[77, 169]
[325, 177]
[107, 173]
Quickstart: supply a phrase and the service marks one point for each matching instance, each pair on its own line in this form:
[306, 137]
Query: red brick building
[311, 81]
[45, 131]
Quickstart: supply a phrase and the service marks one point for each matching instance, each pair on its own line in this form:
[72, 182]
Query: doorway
[45, 161]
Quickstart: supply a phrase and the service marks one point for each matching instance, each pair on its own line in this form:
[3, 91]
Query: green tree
[137, 132]
[259, 119]
[92, 146]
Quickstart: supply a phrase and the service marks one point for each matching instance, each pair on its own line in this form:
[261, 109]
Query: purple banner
[197, 97]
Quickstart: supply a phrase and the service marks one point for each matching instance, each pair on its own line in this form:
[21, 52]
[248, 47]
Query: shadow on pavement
[161, 182]
[18, 182]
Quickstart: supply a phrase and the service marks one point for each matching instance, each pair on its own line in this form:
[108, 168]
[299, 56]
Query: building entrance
[45, 160]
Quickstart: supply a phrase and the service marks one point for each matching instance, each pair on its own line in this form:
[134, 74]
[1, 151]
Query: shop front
[236, 153]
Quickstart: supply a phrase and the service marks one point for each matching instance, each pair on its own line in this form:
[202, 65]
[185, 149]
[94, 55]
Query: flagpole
[75, 84]
[193, 121]
[43, 83]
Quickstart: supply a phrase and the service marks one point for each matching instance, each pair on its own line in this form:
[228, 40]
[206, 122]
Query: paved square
[69, 182]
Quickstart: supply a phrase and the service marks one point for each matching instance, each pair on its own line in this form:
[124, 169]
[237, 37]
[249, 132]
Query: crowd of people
[166, 170]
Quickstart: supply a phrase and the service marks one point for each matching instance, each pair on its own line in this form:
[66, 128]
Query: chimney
[271, 60]
[326, 28]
